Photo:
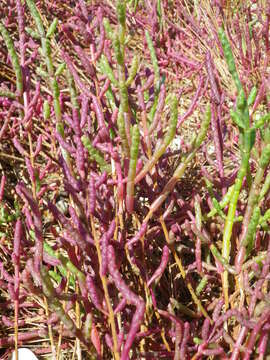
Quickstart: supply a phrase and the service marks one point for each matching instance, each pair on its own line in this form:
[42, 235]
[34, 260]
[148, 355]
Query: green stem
[14, 58]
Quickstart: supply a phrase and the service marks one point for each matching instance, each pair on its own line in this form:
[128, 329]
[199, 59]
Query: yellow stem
[16, 330]
[106, 293]
[183, 273]
[50, 329]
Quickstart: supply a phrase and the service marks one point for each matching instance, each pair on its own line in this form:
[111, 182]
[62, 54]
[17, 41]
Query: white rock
[24, 354]
[176, 143]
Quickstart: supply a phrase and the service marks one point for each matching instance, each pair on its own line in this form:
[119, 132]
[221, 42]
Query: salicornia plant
[134, 189]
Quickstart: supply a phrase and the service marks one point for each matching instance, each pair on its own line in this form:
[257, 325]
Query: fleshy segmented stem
[132, 168]
[252, 213]
[241, 117]
[165, 143]
[14, 59]
[180, 170]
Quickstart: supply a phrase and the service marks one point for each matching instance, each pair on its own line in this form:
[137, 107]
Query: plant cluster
[134, 195]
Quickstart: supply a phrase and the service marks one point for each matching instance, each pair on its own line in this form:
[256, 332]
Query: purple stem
[171, 317]
[109, 342]
[102, 36]
[205, 329]
[30, 170]
[178, 338]
[93, 293]
[263, 344]
[92, 195]
[213, 352]
[83, 9]
[6, 122]
[75, 184]
[163, 264]
[259, 97]
[120, 307]
[18, 146]
[218, 141]
[138, 235]
[84, 111]
[259, 284]
[104, 88]
[193, 104]
[254, 334]
[85, 61]
[29, 219]
[25, 194]
[104, 241]
[182, 59]
[186, 335]
[217, 309]
[266, 28]
[100, 118]
[80, 157]
[134, 327]
[130, 297]
[146, 86]
[23, 337]
[4, 274]
[75, 75]
[2, 187]
[16, 260]
[240, 338]
[212, 79]
[38, 146]
[249, 47]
